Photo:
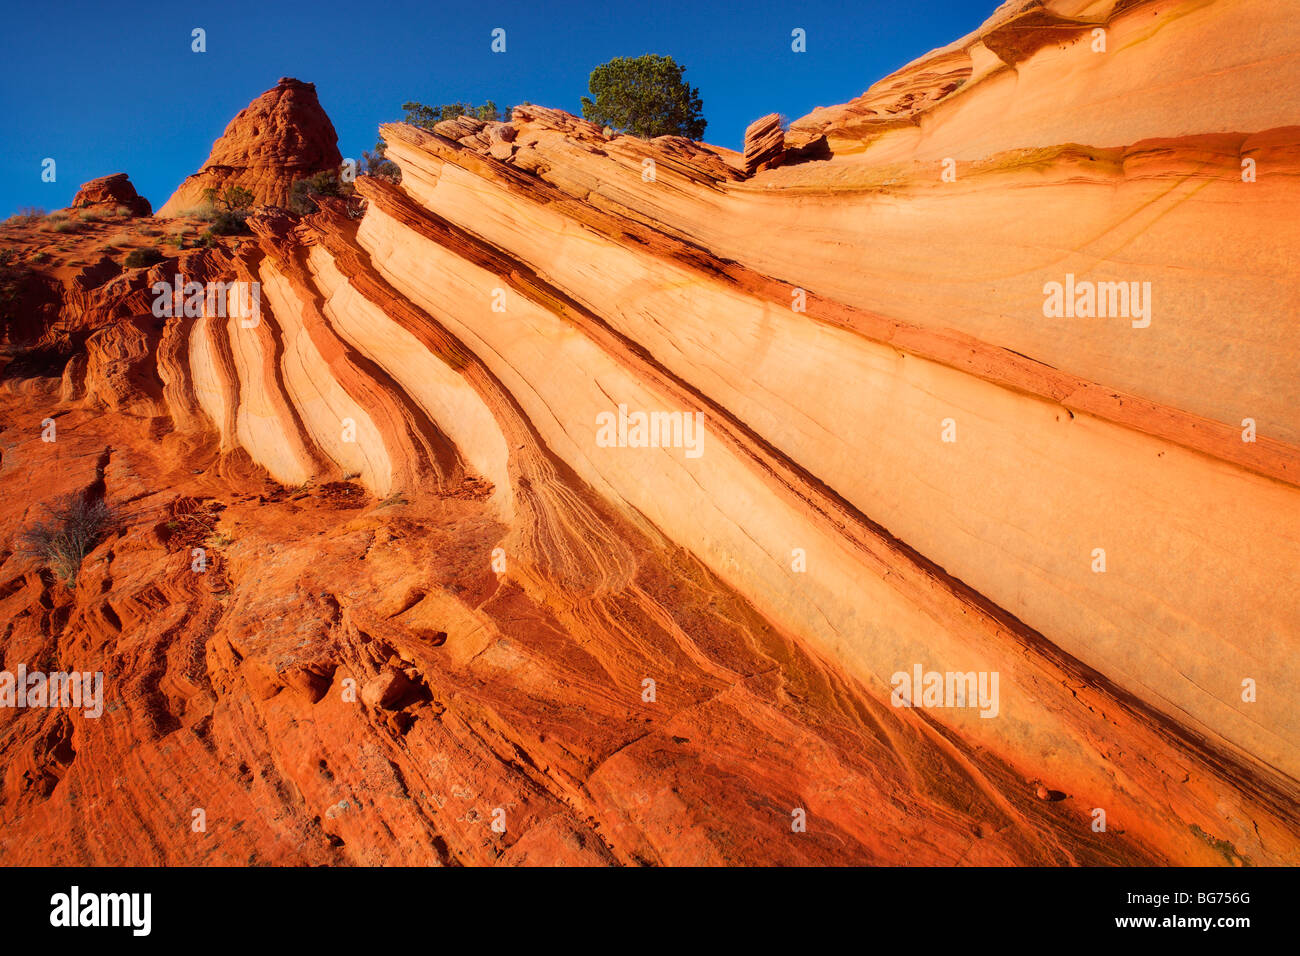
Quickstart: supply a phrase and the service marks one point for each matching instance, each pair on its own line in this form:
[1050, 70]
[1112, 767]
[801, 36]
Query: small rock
[386, 690]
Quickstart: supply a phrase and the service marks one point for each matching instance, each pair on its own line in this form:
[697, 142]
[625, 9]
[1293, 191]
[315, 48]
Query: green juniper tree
[645, 96]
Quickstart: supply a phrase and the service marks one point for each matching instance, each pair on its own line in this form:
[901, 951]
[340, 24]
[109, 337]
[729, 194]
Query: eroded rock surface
[441, 589]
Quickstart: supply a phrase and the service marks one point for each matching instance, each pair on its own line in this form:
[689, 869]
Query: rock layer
[450, 585]
[112, 192]
[281, 137]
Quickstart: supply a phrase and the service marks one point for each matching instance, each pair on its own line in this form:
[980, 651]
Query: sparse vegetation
[232, 199]
[645, 96]
[25, 216]
[378, 166]
[228, 211]
[13, 277]
[305, 192]
[229, 223]
[91, 215]
[203, 213]
[427, 117]
[137, 258]
[64, 226]
[67, 533]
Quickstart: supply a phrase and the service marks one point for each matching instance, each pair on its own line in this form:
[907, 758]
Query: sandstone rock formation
[112, 192]
[764, 142]
[280, 137]
[449, 576]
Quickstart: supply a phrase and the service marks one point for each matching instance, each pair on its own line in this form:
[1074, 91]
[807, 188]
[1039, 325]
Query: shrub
[142, 257]
[64, 226]
[122, 212]
[41, 256]
[645, 96]
[91, 215]
[233, 199]
[25, 216]
[427, 117]
[204, 213]
[304, 192]
[66, 535]
[377, 164]
[229, 223]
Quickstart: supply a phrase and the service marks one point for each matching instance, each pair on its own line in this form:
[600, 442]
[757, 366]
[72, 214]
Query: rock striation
[764, 142]
[637, 513]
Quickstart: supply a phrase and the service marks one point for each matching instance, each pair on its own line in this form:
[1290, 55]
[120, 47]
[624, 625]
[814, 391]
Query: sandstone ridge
[449, 579]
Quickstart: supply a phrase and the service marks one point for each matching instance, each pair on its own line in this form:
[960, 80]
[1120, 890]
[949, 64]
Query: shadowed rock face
[280, 137]
[448, 574]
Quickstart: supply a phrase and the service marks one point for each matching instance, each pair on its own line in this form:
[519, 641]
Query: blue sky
[114, 87]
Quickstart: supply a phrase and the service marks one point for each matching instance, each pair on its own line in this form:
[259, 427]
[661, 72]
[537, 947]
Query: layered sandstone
[440, 596]
[282, 136]
[112, 192]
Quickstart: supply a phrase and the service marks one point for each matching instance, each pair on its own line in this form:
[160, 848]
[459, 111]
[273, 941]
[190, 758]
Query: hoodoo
[282, 136]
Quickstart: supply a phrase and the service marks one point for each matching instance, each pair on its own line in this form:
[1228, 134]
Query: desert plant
[67, 533]
[64, 226]
[303, 194]
[427, 117]
[377, 164]
[645, 96]
[142, 257]
[232, 199]
[90, 215]
[205, 213]
[230, 222]
[25, 216]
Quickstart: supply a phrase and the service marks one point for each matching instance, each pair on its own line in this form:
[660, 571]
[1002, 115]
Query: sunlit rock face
[282, 136]
[919, 486]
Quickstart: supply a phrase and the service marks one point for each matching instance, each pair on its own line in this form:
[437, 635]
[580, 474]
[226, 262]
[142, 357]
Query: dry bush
[25, 216]
[67, 533]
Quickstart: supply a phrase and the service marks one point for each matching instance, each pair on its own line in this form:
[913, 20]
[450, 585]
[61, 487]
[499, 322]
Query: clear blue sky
[105, 87]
